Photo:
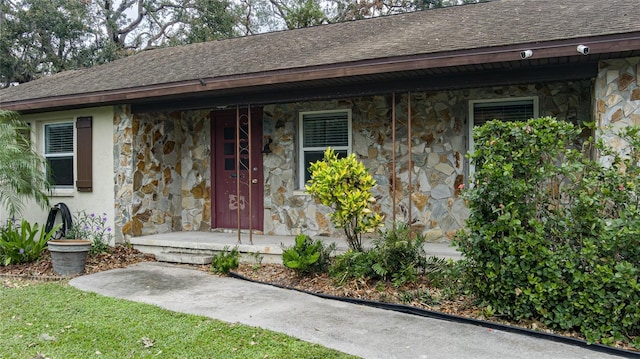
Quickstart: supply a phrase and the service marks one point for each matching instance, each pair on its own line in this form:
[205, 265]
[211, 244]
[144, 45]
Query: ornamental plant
[345, 185]
[21, 174]
[226, 260]
[553, 235]
[91, 227]
[23, 243]
[307, 256]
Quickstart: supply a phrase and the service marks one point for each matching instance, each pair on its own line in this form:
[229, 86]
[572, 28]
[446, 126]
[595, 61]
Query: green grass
[54, 320]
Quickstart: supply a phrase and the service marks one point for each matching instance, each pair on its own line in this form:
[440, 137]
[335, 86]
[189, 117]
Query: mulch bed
[121, 256]
[42, 269]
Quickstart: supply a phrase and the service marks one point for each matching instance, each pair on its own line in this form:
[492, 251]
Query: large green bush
[553, 235]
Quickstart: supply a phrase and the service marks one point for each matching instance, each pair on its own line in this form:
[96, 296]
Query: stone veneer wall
[617, 93]
[162, 177]
[163, 163]
[439, 144]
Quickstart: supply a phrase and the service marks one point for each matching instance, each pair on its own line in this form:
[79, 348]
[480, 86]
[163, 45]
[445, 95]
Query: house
[219, 134]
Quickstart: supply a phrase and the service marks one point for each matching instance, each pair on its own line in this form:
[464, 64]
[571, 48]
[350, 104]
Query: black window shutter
[84, 182]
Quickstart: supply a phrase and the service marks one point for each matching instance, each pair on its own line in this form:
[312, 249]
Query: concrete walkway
[354, 329]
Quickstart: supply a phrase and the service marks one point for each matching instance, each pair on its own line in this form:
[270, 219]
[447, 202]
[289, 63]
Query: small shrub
[352, 264]
[307, 256]
[226, 260]
[23, 243]
[398, 255]
[345, 185]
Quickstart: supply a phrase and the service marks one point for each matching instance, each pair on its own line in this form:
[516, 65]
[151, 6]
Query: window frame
[301, 149]
[61, 189]
[503, 100]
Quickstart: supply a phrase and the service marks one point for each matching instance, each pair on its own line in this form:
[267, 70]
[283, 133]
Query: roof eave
[553, 49]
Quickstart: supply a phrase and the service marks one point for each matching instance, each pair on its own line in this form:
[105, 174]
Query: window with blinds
[58, 151]
[517, 110]
[512, 109]
[319, 130]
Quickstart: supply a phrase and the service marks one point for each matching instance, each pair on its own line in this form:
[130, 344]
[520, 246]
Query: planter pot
[69, 256]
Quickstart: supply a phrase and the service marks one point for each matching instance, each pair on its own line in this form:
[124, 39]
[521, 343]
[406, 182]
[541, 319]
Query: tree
[354, 10]
[22, 170]
[42, 37]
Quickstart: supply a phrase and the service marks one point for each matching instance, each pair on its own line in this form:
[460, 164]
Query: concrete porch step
[200, 247]
[184, 258]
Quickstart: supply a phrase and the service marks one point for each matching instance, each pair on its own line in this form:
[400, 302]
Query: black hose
[67, 221]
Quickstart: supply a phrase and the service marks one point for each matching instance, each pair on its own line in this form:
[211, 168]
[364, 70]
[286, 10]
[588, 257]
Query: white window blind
[520, 110]
[318, 131]
[324, 130]
[58, 151]
[58, 138]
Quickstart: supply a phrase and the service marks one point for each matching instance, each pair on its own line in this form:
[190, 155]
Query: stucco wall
[617, 93]
[101, 200]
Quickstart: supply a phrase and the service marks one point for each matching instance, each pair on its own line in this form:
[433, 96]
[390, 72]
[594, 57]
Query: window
[513, 109]
[58, 151]
[516, 109]
[319, 130]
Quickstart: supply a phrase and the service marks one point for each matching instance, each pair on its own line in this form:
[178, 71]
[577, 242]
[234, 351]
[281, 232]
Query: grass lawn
[54, 320]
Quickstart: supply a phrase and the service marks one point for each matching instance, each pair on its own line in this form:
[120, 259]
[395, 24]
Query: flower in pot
[88, 234]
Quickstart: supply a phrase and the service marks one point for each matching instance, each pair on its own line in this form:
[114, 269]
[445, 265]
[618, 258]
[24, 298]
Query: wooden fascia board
[563, 48]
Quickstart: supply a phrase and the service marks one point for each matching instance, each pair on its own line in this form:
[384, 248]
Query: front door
[236, 163]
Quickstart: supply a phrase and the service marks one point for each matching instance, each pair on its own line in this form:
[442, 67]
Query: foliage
[42, 37]
[398, 255]
[91, 227]
[21, 168]
[553, 235]
[23, 243]
[56, 320]
[226, 260]
[355, 10]
[345, 185]
[307, 256]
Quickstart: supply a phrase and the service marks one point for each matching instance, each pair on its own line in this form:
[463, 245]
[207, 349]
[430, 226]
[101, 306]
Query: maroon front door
[229, 170]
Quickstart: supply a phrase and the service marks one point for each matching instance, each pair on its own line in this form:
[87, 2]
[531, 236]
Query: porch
[199, 247]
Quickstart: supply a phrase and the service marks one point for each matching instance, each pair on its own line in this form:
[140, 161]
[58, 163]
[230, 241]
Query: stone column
[123, 172]
[617, 95]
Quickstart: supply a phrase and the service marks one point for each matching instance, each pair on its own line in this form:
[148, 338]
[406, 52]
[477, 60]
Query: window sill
[63, 192]
[300, 192]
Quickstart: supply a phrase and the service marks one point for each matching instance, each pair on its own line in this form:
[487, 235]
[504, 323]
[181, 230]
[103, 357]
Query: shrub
[307, 256]
[226, 260]
[23, 243]
[352, 264]
[345, 184]
[397, 255]
[552, 235]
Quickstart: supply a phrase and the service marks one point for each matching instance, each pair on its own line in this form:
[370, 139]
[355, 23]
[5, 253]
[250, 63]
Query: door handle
[254, 181]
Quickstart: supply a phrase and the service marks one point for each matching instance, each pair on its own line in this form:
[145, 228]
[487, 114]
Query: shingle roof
[486, 25]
